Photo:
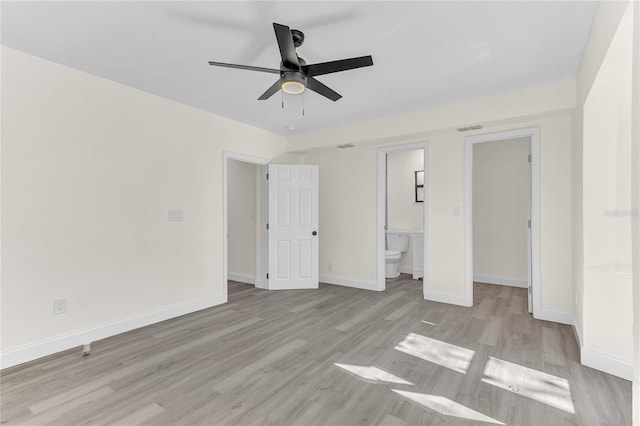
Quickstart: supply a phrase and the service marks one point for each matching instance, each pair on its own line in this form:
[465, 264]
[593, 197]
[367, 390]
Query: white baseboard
[599, 361]
[348, 282]
[554, 316]
[261, 284]
[577, 332]
[493, 279]
[241, 278]
[606, 363]
[41, 348]
[451, 299]
[405, 269]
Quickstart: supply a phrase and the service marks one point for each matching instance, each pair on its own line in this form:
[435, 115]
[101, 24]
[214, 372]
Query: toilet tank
[397, 240]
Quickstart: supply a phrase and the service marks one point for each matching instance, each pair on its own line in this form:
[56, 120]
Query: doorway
[245, 196]
[511, 248]
[415, 187]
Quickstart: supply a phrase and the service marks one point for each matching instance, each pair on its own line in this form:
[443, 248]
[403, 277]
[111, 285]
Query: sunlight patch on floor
[427, 322]
[373, 374]
[537, 385]
[444, 354]
[446, 407]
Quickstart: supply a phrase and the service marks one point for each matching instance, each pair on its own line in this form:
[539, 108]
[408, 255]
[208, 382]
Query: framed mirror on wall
[419, 186]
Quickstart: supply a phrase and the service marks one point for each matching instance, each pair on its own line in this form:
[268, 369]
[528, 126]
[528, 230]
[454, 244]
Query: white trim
[494, 279]
[41, 348]
[577, 333]
[228, 155]
[263, 282]
[554, 316]
[451, 299]
[534, 134]
[349, 282]
[382, 189]
[241, 278]
[599, 361]
[605, 363]
[405, 269]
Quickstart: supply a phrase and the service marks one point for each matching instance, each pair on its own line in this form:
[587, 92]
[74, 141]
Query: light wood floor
[337, 356]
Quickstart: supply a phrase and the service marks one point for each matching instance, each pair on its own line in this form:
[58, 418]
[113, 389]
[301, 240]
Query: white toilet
[397, 243]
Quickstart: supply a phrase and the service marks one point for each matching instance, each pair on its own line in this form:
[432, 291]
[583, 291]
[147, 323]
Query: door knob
[314, 233]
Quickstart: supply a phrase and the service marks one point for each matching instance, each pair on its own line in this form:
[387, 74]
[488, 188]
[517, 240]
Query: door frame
[533, 133]
[382, 190]
[226, 156]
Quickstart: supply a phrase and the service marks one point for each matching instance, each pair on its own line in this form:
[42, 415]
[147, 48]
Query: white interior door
[293, 227]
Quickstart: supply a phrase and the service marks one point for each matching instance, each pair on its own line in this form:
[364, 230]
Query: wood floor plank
[142, 415]
[265, 359]
[270, 358]
[492, 331]
[367, 312]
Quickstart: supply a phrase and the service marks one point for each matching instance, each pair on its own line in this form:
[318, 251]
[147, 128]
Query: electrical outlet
[330, 267]
[59, 306]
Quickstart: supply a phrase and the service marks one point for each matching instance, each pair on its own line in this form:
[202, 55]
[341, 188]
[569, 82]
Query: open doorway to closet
[245, 254]
[502, 216]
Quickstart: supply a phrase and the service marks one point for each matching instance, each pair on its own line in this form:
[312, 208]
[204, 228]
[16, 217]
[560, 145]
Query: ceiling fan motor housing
[298, 37]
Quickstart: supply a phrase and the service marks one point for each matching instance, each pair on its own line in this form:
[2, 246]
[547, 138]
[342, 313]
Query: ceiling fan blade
[337, 66]
[245, 67]
[270, 91]
[323, 90]
[287, 48]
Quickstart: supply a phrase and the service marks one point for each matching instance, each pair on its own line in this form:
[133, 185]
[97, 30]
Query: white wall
[402, 210]
[605, 23]
[89, 171]
[243, 183]
[635, 188]
[347, 229]
[348, 176]
[500, 211]
[606, 202]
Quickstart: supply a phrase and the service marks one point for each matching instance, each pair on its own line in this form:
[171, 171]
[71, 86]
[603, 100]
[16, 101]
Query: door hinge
[529, 158]
[267, 275]
[267, 176]
[529, 223]
[267, 226]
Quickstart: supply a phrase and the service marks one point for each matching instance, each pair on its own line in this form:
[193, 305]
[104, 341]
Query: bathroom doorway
[402, 213]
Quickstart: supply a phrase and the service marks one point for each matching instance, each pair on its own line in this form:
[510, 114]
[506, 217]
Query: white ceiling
[425, 53]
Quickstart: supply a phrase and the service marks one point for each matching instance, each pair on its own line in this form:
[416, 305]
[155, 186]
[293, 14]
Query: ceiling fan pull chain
[303, 103]
[282, 94]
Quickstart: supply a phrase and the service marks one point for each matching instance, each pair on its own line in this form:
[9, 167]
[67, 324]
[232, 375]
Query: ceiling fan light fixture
[293, 87]
[293, 83]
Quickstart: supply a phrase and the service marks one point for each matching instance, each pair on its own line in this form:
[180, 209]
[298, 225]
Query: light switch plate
[176, 215]
[59, 306]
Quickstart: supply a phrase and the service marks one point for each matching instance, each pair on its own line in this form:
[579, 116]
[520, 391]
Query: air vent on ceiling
[466, 129]
[346, 145]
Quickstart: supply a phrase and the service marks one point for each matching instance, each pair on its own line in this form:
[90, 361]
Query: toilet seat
[391, 253]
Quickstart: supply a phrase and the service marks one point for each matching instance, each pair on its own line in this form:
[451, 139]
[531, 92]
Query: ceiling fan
[295, 74]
